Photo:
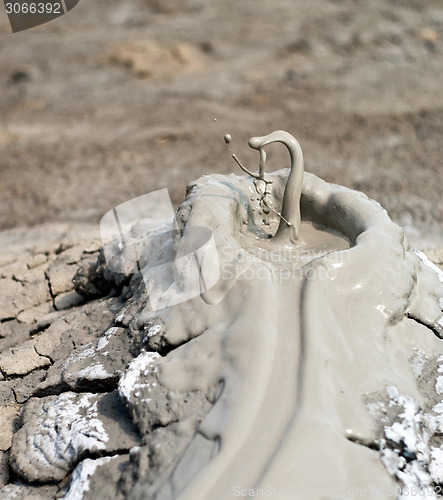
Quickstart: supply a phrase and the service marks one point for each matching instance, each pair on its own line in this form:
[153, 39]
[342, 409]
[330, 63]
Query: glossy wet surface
[315, 242]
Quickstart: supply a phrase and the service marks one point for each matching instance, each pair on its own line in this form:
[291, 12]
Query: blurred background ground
[119, 98]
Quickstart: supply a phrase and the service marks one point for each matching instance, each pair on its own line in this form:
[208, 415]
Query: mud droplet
[228, 138]
[266, 210]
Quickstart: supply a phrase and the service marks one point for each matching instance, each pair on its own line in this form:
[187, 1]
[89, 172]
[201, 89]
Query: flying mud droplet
[228, 138]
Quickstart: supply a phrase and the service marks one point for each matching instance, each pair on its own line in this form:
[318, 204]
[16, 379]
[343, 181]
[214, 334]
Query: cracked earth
[89, 121]
[65, 344]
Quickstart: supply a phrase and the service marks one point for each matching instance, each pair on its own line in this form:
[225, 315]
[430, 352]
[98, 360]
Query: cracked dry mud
[63, 352]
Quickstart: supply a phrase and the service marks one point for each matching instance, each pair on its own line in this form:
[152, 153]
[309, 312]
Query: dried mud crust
[90, 121]
[72, 374]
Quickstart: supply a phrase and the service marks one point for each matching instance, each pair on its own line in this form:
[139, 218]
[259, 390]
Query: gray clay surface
[110, 399]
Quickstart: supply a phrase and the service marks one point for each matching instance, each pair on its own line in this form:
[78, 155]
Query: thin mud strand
[265, 205]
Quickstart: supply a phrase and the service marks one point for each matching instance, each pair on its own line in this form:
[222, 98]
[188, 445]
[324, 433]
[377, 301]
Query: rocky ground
[72, 374]
[32, 323]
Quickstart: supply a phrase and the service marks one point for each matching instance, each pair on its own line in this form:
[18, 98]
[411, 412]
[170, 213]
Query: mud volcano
[308, 363]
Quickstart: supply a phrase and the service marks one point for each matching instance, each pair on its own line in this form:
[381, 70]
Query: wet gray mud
[307, 365]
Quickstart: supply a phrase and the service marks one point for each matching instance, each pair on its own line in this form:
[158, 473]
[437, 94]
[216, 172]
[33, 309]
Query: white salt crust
[133, 379]
[422, 256]
[65, 429]
[412, 432]
[79, 484]
[418, 362]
